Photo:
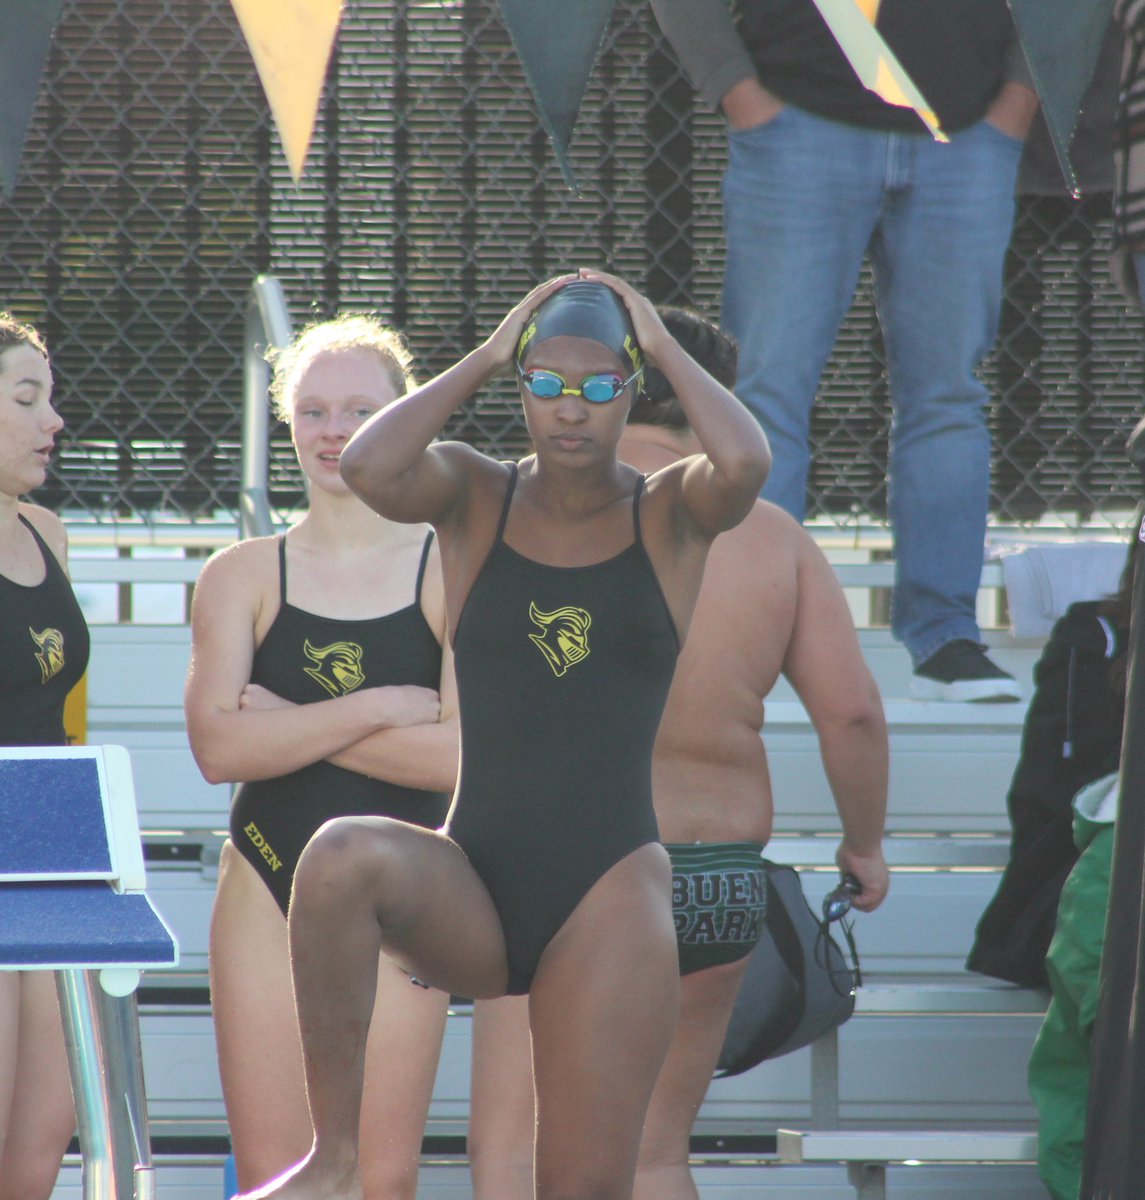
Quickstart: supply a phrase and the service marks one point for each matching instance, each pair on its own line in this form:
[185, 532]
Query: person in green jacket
[1060, 1061]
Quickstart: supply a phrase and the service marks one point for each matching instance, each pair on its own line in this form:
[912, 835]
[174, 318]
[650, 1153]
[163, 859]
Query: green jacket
[1060, 1060]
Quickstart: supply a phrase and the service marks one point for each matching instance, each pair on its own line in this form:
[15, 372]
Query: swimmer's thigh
[373, 882]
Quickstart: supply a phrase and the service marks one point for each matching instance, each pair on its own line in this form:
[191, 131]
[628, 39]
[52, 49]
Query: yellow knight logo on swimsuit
[563, 639]
[50, 652]
[338, 667]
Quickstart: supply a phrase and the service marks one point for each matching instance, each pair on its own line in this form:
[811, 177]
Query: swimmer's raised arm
[392, 461]
[719, 486]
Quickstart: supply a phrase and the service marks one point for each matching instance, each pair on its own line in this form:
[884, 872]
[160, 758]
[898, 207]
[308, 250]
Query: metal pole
[267, 326]
[85, 1063]
[105, 1061]
[123, 1068]
[825, 1081]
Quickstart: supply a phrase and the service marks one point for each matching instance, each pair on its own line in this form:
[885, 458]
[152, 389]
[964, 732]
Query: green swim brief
[719, 899]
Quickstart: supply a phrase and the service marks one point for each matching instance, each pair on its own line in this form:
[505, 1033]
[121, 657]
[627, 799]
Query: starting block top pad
[71, 866]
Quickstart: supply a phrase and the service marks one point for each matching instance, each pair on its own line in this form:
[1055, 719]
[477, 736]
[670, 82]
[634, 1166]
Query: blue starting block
[72, 901]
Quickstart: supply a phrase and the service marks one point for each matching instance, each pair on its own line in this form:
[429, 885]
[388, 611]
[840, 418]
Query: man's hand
[871, 872]
[1013, 110]
[749, 104]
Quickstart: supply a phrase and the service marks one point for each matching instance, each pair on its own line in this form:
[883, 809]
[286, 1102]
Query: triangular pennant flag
[291, 41]
[1061, 40]
[25, 36]
[557, 43]
[878, 69]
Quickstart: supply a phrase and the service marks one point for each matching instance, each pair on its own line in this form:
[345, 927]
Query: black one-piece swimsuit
[44, 647]
[305, 658]
[562, 674]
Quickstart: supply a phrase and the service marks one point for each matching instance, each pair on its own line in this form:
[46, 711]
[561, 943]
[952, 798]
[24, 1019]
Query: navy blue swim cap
[584, 309]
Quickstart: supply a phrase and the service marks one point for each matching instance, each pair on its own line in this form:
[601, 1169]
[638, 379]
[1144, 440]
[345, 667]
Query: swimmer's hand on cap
[501, 345]
[650, 331]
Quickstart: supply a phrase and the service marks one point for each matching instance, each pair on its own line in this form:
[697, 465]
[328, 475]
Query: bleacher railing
[267, 328]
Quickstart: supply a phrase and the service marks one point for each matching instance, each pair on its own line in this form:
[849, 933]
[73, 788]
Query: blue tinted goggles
[596, 389]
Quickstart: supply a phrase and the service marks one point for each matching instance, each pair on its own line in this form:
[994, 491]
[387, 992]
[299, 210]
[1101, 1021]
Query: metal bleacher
[930, 1045]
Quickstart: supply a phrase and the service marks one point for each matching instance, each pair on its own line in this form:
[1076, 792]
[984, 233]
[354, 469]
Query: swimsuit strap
[41, 545]
[505, 506]
[52, 566]
[509, 497]
[282, 568]
[421, 567]
[636, 508]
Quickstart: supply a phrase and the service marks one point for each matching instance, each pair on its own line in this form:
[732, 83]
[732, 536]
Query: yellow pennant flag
[853, 24]
[290, 41]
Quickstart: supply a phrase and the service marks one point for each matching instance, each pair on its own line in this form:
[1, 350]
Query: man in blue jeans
[822, 172]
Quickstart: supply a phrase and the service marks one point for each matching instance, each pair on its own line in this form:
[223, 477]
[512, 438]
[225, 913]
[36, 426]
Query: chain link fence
[153, 189]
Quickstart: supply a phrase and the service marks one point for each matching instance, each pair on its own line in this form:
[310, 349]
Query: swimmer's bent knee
[347, 852]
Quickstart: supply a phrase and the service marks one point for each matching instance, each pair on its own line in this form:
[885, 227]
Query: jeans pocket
[1006, 138]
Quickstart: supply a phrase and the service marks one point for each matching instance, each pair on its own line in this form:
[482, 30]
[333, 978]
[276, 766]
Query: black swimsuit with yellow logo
[562, 674]
[305, 658]
[44, 648]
